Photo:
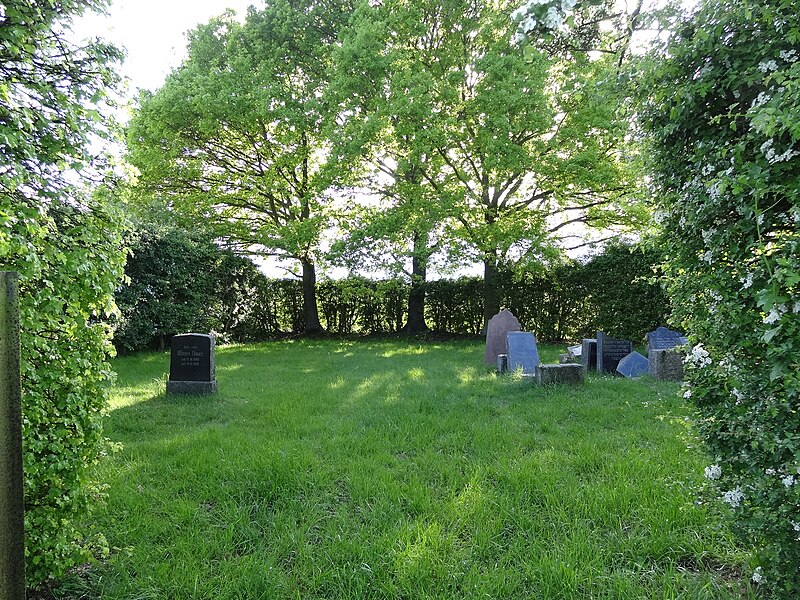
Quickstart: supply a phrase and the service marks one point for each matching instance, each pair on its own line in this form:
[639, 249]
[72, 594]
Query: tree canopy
[235, 136]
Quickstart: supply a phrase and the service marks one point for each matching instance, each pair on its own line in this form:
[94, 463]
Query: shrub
[723, 120]
[70, 261]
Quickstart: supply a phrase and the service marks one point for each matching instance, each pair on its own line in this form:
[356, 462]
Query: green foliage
[492, 152]
[235, 136]
[70, 261]
[722, 115]
[177, 282]
[620, 285]
[66, 245]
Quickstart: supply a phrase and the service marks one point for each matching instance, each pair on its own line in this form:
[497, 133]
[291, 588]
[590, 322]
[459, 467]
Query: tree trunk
[310, 297]
[491, 294]
[416, 297]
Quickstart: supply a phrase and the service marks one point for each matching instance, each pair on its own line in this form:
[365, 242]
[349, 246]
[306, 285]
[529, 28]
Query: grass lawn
[391, 469]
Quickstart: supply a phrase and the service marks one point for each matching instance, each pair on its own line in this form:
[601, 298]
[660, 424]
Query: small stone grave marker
[192, 366]
[551, 374]
[610, 351]
[589, 354]
[502, 363]
[634, 365]
[522, 352]
[663, 339]
[667, 364]
[496, 331]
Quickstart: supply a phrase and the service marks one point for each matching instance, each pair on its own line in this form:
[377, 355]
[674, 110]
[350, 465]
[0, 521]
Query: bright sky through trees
[152, 32]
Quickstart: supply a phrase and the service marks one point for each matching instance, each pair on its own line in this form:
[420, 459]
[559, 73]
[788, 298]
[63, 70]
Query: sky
[152, 32]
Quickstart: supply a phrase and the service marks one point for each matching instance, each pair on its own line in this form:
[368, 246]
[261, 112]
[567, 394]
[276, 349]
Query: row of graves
[511, 349]
[193, 365]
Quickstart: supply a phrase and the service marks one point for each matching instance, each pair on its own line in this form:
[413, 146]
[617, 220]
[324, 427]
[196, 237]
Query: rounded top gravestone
[496, 331]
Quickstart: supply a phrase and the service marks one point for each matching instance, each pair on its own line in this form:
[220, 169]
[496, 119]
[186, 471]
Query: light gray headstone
[589, 354]
[522, 352]
[496, 331]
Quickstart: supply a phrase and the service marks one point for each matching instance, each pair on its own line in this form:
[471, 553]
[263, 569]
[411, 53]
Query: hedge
[612, 292]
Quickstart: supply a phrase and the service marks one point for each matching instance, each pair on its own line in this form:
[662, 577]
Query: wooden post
[12, 522]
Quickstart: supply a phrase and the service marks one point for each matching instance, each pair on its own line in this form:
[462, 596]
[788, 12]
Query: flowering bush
[722, 113]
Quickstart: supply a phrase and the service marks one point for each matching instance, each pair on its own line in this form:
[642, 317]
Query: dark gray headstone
[192, 366]
[588, 354]
[632, 366]
[666, 365]
[546, 374]
[522, 352]
[610, 351]
[663, 339]
[502, 363]
[496, 330]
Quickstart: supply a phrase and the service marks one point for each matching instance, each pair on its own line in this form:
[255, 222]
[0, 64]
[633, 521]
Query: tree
[66, 244]
[516, 147]
[720, 108]
[235, 137]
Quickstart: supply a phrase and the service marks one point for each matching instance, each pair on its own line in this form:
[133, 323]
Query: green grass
[390, 469]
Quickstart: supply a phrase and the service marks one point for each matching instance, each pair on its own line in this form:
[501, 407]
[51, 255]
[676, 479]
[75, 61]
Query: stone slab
[666, 364]
[522, 352]
[634, 365]
[191, 388]
[496, 330]
[552, 374]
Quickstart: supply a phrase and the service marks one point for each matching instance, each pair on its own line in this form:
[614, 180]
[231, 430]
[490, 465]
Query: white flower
[787, 480]
[570, 4]
[788, 155]
[747, 281]
[699, 356]
[708, 235]
[738, 395]
[757, 576]
[707, 256]
[733, 497]
[765, 66]
[770, 471]
[713, 472]
[552, 20]
[795, 525]
[788, 55]
[775, 314]
[762, 98]
[687, 394]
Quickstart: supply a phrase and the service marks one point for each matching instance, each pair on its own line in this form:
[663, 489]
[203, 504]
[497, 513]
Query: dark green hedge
[169, 294]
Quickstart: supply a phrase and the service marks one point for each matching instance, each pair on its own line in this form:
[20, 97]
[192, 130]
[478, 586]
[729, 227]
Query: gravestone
[610, 351]
[192, 366]
[502, 363]
[496, 331]
[589, 354]
[522, 352]
[547, 374]
[666, 364]
[634, 365]
[663, 339]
